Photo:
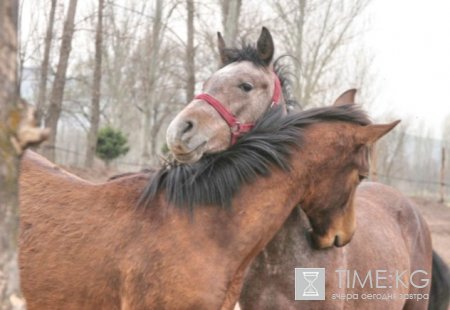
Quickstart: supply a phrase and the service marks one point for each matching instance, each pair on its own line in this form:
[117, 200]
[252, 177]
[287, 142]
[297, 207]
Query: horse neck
[262, 207]
[258, 212]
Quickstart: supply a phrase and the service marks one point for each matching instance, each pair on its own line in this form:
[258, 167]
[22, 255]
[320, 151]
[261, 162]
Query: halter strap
[276, 91]
[237, 129]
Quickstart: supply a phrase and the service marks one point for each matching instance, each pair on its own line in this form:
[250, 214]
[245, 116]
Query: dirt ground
[438, 218]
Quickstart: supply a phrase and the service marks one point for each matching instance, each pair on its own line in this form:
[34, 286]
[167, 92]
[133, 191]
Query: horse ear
[265, 46]
[222, 47]
[348, 97]
[371, 133]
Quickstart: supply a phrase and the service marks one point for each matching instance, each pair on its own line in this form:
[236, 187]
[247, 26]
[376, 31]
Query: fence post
[442, 176]
[373, 164]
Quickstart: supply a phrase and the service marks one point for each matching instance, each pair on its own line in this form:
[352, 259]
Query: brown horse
[86, 246]
[391, 239]
[270, 283]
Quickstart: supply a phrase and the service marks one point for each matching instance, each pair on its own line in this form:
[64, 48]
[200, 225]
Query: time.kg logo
[309, 283]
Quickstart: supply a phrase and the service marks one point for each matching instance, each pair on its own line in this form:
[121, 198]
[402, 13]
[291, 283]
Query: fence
[415, 165]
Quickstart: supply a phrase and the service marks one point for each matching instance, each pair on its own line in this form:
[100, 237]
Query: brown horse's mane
[216, 178]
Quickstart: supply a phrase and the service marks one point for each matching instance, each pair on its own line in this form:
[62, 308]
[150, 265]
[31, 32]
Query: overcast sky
[410, 42]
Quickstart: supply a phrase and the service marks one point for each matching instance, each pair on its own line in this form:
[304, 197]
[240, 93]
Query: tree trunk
[190, 52]
[146, 158]
[299, 53]
[10, 294]
[56, 98]
[442, 177]
[373, 174]
[42, 94]
[151, 78]
[95, 106]
[230, 20]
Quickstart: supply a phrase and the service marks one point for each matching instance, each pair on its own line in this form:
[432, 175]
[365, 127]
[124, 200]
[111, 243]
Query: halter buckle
[236, 128]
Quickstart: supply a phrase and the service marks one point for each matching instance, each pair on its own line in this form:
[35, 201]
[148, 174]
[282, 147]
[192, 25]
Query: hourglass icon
[310, 277]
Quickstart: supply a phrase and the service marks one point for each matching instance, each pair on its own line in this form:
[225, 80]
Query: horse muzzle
[184, 141]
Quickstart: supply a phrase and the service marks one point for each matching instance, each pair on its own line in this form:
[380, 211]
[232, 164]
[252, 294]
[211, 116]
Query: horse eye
[362, 177]
[246, 87]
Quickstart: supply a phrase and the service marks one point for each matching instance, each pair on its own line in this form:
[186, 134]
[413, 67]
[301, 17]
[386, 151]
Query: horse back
[34, 166]
[399, 209]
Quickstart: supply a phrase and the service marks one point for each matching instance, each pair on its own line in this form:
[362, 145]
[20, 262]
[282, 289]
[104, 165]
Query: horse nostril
[188, 125]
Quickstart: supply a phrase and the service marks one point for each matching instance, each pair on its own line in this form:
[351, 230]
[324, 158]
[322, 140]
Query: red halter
[237, 129]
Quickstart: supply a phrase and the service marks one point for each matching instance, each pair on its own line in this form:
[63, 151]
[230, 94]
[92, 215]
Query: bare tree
[96, 89]
[230, 20]
[190, 52]
[155, 66]
[317, 32]
[42, 92]
[446, 154]
[149, 108]
[446, 131]
[119, 44]
[148, 70]
[57, 95]
[10, 294]
[389, 155]
[442, 177]
[17, 131]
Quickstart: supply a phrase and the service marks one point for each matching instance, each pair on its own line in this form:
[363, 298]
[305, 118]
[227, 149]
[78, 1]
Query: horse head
[329, 203]
[233, 98]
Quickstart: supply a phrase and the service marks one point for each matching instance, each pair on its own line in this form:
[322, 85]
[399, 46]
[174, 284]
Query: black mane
[247, 52]
[216, 178]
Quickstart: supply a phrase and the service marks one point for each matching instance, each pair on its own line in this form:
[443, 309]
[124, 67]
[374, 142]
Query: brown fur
[391, 235]
[85, 246]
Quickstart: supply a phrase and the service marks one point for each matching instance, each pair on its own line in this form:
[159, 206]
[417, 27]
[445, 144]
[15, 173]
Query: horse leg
[233, 292]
